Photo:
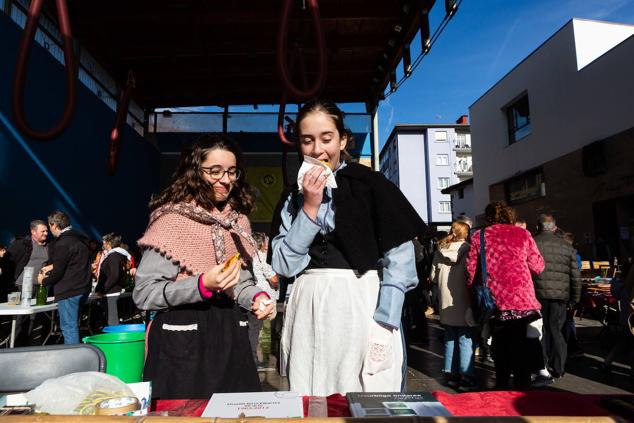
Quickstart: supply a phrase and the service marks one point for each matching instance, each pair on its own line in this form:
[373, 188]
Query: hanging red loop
[280, 122]
[320, 46]
[297, 57]
[35, 9]
[119, 123]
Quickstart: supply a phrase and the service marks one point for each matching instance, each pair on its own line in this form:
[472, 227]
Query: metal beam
[376, 165]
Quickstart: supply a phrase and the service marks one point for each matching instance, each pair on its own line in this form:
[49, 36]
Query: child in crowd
[449, 273]
[268, 282]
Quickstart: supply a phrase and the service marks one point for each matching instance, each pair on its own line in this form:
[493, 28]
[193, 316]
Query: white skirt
[325, 337]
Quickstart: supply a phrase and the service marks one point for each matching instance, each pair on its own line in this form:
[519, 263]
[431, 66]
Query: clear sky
[481, 44]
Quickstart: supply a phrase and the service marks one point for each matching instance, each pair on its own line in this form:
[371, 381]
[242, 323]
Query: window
[444, 207]
[518, 117]
[443, 183]
[524, 187]
[442, 159]
[441, 136]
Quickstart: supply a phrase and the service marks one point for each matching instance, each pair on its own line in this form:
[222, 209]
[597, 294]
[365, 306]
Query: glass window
[524, 187]
[441, 136]
[442, 159]
[518, 117]
[444, 207]
[443, 183]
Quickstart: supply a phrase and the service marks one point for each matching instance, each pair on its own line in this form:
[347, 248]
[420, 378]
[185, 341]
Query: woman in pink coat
[511, 257]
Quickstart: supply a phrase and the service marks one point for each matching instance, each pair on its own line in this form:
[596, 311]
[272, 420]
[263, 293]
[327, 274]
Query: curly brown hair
[188, 183]
[498, 212]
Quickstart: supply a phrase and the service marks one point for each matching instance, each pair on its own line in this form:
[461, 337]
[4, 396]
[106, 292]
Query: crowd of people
[536, 285]
[70, 266]
[355, 251]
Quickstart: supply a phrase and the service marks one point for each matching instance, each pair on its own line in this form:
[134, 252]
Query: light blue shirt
[290, 255]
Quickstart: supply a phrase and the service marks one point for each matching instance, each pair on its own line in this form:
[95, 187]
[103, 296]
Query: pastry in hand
[327, 163]
[229, 262]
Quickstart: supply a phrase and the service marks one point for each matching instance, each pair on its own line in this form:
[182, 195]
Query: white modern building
[556, 135]
[462, 200]
[422, 160]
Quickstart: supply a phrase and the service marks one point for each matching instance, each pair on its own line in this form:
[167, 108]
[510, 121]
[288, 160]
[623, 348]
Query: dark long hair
[188, 183]
[331, 109]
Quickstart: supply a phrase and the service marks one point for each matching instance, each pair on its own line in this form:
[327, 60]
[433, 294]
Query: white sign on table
[282, 404]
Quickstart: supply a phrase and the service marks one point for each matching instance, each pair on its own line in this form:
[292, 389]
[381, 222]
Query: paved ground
[584, 375]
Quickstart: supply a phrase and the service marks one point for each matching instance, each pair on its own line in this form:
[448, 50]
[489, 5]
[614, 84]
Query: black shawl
[372, 215]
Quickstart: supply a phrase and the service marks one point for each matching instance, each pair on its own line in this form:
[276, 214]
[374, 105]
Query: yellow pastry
[231, 261]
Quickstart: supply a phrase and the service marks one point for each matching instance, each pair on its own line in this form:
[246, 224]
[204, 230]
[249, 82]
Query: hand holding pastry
[223, 276]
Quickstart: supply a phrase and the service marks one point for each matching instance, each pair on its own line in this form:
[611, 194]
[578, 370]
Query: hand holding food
[327, 163]
[224, 275]
[229, 262]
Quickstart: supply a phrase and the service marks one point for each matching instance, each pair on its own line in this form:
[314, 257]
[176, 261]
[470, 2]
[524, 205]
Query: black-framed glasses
[218, 172]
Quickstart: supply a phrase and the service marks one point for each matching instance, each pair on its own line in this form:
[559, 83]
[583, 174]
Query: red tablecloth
[490, 403]
[337, 406]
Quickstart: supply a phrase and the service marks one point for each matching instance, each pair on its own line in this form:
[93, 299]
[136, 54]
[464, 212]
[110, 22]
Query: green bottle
[42, 293]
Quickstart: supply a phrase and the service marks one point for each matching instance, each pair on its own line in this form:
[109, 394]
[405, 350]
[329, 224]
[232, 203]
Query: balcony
[463, 169]
[462, 148]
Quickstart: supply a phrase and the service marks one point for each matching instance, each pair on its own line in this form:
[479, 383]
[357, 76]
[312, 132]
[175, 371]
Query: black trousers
[553, 342]
[413, 320]
[514, 353]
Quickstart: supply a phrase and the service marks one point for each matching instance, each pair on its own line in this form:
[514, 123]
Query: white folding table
[20, 310]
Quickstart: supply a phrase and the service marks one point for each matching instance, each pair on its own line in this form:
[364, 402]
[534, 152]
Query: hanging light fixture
[393, 85]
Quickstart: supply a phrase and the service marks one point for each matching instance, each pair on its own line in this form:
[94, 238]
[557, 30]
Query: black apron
[199, 349]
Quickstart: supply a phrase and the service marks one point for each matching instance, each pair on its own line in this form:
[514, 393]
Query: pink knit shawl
[196, 239]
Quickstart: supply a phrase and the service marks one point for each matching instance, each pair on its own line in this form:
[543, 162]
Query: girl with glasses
[198, 342]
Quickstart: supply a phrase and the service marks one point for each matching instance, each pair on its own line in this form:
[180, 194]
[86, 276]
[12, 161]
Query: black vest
[325, 252]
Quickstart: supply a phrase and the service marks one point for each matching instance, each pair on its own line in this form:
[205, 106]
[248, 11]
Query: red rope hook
[119, 123]
[280, 122]
[297, 56]
[35, 9]
[282, 64]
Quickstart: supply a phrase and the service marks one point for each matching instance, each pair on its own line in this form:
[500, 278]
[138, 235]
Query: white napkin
[308, 163]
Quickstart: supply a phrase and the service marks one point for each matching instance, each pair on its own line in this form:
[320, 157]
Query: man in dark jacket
[71, 274]
[28, 251]
[556, 288]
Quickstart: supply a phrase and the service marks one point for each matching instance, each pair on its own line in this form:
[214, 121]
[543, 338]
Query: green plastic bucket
[124, 351]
